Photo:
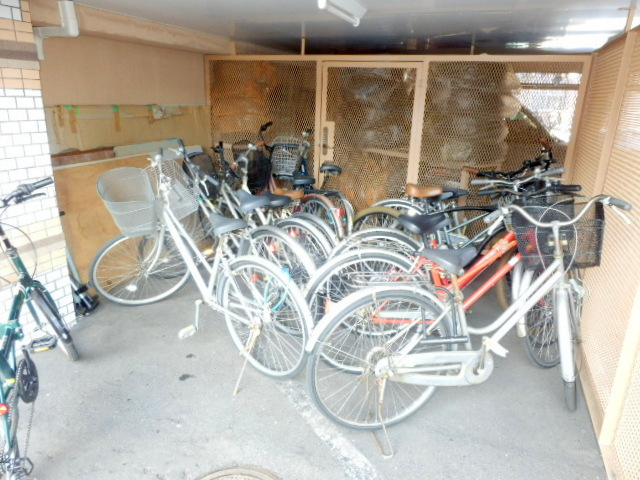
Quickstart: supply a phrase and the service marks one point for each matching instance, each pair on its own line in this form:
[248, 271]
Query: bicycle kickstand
[186, 332]
[251, 341]
[386, 453]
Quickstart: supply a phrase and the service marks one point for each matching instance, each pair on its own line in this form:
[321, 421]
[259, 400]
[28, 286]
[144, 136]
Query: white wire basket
[285, 155]
[131, 196]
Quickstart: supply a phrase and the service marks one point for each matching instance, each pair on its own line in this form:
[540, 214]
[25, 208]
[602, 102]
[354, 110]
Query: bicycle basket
[582, 241]
[258, 169]
[128, 195]
[284, 155]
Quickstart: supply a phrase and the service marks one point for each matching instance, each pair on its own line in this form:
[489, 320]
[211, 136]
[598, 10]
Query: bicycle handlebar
[604, 199]
[24, 192]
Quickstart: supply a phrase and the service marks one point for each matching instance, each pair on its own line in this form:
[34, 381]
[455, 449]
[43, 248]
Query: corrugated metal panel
[596, 115]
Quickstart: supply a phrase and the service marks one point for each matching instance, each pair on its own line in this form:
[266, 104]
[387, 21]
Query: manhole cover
[240, 473]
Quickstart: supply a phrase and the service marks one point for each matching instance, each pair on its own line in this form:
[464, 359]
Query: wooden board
[87, 224]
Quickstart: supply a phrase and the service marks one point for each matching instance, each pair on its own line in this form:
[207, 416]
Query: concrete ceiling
[400, 26]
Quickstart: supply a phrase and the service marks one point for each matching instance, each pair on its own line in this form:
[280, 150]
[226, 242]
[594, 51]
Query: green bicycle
[19, 376]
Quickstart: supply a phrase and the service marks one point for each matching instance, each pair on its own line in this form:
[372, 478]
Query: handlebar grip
[566, 188]
[553, 171]
[42, 183]
[263, 128]
[28, 188]
[616, 202]
[492, 192]
[480, 181]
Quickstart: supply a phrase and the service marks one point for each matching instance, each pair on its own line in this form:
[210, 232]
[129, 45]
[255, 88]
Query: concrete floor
[142, 404]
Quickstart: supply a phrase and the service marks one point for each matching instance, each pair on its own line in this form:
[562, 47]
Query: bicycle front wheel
[138, 270]
[365, 330]
[43, 307]
[266, 316]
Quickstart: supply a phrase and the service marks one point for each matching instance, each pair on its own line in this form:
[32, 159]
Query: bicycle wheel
[311, 238]
[275, 245]
[43, 307]
[541, 341]
[138, 270]
[350, 272]
[323, 208]
[265, 315]
[321, 225]
[355, 340]
[385, 238]
[345, 209]
[374, 217]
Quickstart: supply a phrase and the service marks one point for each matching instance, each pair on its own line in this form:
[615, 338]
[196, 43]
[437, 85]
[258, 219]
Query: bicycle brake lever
[621, 214]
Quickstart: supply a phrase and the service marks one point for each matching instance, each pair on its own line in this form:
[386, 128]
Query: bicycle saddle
[250, 202]
[417, 191]
[222, 225]
[331, 168]
[424, 224]
[300, 179]
[276, 200]
[452, 261]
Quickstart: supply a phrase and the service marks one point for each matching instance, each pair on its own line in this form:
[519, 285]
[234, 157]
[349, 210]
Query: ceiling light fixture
[350, 10]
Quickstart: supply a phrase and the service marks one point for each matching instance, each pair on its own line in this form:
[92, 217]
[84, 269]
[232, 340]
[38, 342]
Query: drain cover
[240, 473]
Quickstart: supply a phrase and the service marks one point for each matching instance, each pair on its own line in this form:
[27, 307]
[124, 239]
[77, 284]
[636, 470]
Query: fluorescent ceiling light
[350, 10]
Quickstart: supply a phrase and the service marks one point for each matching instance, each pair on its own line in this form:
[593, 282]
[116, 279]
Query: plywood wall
[96, 71]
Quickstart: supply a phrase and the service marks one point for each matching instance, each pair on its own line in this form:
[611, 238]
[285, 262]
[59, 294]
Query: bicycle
[19, 376]
[379, 355]
[260, 301]
[289, 157]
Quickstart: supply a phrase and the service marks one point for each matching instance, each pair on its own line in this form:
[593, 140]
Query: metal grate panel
[372, 110]
[608, 310]
[596, 115]
[247, 94]
[491, 115]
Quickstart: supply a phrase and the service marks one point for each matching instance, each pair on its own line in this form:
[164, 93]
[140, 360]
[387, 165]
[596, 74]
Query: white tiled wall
[10, 9]
[24, 158]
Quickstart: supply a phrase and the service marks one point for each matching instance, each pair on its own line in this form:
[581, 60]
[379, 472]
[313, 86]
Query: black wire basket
[581, 242]
[258, 169]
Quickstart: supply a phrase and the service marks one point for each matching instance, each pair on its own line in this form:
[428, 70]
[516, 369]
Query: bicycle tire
[327, 231]
[403, 206]
[38, 299]
[127, 271]
[341, 366]
[322, 207]
[347, 213]
[385, 238]
[350, 272]
[310, 237]
[253, 284]
[274, 244]
[374, 217]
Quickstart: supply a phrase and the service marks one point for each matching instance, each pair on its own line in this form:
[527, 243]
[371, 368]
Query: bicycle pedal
[43, 344]
[187, 332]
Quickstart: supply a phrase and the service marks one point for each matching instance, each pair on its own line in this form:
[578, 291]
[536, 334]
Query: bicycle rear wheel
[350, 272]
[42, 306]
[374, 217]
[311, 238]
[138, 270]
[282, 250]
[353, 342]
[265, 315]
[323, 208]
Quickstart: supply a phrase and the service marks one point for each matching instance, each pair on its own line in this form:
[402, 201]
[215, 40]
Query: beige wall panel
[87, 224]
[96, 71]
